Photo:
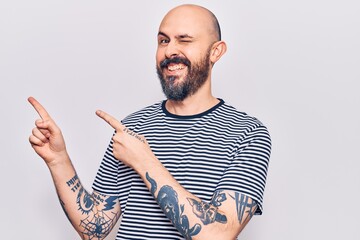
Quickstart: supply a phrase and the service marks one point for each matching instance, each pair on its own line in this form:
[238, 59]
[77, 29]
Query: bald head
[189, 45]
[195, 15]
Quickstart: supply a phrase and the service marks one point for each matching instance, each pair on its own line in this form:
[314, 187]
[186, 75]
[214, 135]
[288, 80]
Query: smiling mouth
[175, 67]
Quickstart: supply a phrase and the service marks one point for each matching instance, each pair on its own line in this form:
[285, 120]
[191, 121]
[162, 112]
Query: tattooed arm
[92, 215]
[223, 218]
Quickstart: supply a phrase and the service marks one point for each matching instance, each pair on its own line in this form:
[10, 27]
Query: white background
[292, 64]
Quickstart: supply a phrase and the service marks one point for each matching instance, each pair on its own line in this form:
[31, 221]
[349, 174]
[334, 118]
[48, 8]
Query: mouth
[175, 67]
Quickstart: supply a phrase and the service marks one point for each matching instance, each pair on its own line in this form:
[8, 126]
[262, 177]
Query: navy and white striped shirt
[220, 148]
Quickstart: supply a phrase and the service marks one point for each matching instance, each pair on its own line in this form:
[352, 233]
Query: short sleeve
[247, 172]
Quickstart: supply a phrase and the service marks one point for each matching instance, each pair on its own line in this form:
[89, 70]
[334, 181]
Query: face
[176, 86]
[183, 54]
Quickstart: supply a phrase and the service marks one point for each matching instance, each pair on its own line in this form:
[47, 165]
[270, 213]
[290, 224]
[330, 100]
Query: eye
[164, 41]
[185, 40]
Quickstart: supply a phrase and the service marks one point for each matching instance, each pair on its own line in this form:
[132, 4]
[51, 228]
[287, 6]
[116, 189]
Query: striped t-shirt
[220, 148]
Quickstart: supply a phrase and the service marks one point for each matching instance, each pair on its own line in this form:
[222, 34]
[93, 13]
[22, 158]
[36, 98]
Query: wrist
[151, 163]
[61, 160]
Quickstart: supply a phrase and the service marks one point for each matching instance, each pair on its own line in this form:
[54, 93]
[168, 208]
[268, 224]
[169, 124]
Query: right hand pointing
[46, 138]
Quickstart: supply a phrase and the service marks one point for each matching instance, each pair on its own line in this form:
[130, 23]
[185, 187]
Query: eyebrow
[163, 34]
[180, 36]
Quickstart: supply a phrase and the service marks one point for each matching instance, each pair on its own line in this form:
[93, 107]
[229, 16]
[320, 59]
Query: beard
[195, 78]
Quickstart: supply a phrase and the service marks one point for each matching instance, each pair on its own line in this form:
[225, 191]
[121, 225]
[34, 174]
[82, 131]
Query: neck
[201, 101]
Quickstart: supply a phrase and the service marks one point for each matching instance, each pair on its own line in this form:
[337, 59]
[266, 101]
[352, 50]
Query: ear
[218, 49]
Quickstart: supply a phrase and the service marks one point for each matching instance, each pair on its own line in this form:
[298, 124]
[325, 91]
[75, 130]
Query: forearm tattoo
[245, 207]
[97, 223]
[168, 201]
[74, 183]
[208, 212]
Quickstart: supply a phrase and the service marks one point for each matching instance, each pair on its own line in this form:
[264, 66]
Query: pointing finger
[110, 120]
[39, 108]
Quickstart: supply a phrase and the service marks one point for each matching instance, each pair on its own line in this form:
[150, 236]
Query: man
[188, 167]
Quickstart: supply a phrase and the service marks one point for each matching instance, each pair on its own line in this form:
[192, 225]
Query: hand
[129, 147]
[46, 138]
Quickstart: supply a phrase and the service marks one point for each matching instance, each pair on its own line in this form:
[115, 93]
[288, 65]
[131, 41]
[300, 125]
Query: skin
[186, 31]
[81, 207]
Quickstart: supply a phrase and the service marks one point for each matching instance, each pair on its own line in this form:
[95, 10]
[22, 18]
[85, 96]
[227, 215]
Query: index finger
[39, 108]
[113, 122]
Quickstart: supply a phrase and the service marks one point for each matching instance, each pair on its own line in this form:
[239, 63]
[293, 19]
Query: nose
[171, 50]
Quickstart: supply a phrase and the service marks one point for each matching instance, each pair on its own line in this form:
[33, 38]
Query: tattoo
[206, 212]
[218, 198]
[98, 198]
[74, 183]
[244, 204]
[153, 184]
[131, 133]
[169, 203]
[84, 201]
[110, 202]
[97, 223]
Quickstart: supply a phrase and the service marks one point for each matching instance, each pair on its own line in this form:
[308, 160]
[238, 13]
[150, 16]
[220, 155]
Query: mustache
[164, 63]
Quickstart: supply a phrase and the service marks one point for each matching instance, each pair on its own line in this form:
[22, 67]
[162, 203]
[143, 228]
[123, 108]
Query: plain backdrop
[295, 65]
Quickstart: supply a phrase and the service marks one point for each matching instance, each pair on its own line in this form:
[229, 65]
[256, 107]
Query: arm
[223, 218]
[92, 215]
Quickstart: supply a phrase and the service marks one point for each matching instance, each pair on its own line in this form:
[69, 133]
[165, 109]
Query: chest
[196, 156]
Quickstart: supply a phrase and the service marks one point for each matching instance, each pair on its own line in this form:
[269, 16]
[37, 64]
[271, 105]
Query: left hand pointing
[129, 147]
[115, 124]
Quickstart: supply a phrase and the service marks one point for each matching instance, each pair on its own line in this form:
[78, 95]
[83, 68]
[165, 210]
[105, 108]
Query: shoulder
[233, 116]
[147, 112]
